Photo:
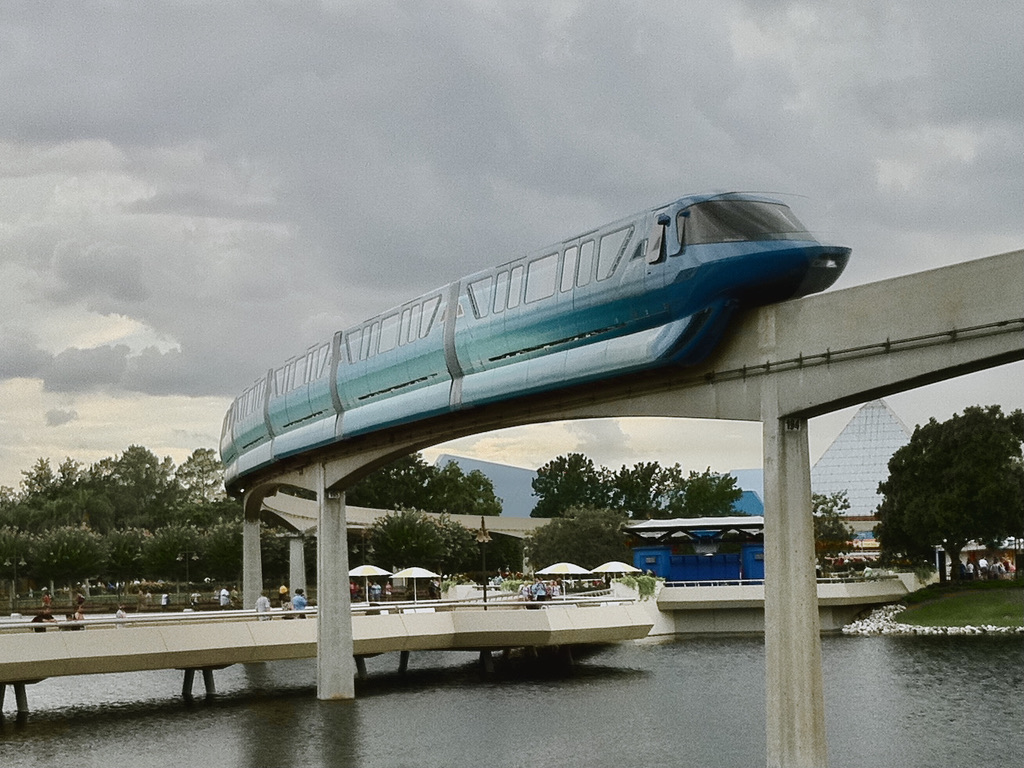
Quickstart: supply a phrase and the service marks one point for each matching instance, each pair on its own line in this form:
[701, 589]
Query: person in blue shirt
[299, 602]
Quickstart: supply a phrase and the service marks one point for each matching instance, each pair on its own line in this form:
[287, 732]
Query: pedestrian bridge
[216, 639]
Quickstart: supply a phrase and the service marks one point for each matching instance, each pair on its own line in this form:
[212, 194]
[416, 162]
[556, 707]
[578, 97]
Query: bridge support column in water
[795, 703]
[335, 663]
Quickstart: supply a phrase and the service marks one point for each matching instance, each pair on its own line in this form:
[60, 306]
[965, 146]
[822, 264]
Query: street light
[18, 560]
[186, 556]
[482, 538]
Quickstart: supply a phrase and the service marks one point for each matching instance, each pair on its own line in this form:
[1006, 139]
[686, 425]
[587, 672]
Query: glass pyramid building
[858, 459]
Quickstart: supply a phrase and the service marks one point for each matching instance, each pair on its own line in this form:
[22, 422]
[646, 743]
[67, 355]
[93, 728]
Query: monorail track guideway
[781, 365]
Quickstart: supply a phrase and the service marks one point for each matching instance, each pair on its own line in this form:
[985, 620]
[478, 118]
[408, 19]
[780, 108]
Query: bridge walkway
[217, 639]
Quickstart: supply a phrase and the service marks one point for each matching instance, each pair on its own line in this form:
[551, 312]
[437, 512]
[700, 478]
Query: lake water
[890, 701]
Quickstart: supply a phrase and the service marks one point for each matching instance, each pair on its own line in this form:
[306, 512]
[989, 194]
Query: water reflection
[890, 701]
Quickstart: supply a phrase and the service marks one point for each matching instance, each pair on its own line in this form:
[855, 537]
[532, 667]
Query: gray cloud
[56, 417]
[20, 357]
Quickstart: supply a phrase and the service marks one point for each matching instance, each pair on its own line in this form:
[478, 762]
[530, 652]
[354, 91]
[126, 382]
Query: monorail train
[654, 289]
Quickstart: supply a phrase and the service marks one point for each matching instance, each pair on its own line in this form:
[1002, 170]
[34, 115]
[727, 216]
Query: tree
[220, 550]
[399, 485]
[706, 494]
[569, 481]
[450, 490]
[405, 538]
[201, 477]
[832, 535]
[954, 482]
[140, 486]
[460, 551]
[124, 554]
[161, 551]
[646, 490]
[67, 554]
[585, 536]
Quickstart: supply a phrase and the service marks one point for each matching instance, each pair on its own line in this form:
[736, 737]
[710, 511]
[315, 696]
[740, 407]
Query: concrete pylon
[296, 563]
[794, 698]
[252, 562]
[335, 662]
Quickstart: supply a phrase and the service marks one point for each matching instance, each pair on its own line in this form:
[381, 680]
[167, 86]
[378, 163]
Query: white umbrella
[563, 569]
[615, 566]
[366, 571]
[415, 573]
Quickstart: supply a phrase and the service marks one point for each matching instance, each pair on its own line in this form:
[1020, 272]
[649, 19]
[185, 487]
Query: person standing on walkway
[263, 606]
[299, 602]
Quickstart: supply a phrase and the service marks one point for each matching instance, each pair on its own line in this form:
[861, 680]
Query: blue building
[687, 549]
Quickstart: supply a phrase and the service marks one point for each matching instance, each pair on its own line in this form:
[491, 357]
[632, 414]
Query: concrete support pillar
[187, 682]
[486, 662]
[403, 662]
[208, 683]
[252, 562]
[21, 698]
[795, 705]
[361, 667]
[335, 664]
[296, 564]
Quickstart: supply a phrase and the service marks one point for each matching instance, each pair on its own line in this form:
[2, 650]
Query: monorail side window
[540, 277]
[515, 286]
[365, 351]
[429, 313]
[569, 267]
[732, 221]
[501, 291]
[613, 245]
[388, 333]
[352, 339]
[480, 296]
[414, 322]
[403, 326]
[585, 269]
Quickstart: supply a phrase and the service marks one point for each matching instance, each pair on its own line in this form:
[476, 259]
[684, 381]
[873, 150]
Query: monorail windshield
[731, 221]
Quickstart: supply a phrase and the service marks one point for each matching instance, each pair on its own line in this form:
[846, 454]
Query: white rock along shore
[882, 621]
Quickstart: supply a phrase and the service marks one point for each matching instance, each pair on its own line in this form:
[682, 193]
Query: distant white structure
[858, 459]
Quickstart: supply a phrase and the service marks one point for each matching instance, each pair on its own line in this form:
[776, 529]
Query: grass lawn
[1000, 607]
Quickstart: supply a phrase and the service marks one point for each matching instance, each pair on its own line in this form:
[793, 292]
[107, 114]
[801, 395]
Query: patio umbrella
[563, 569]
[615, 566]
[415, 573]
[366, 571]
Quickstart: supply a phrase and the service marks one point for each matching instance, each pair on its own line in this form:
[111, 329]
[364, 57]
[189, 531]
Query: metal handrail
[759, 582]
[9, 626]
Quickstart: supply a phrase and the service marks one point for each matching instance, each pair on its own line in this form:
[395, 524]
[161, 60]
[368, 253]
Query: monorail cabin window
[501, 291]
[480, 296]
[388, 334]
[613, 245]
[585, 269]
[540, 278]
[515, 286]
[732, 221]
[569, 267]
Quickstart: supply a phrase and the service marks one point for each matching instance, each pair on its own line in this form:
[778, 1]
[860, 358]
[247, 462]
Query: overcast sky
[192, 192]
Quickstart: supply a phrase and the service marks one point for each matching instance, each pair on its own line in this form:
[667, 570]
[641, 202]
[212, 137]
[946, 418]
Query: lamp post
[483, 537]
[17, 560]
[185, 557]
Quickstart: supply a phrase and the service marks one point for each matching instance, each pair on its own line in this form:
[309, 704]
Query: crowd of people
[982, 569]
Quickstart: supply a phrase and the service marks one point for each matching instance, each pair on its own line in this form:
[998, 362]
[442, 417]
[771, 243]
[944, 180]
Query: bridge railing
[19, 624]
[877, 576]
